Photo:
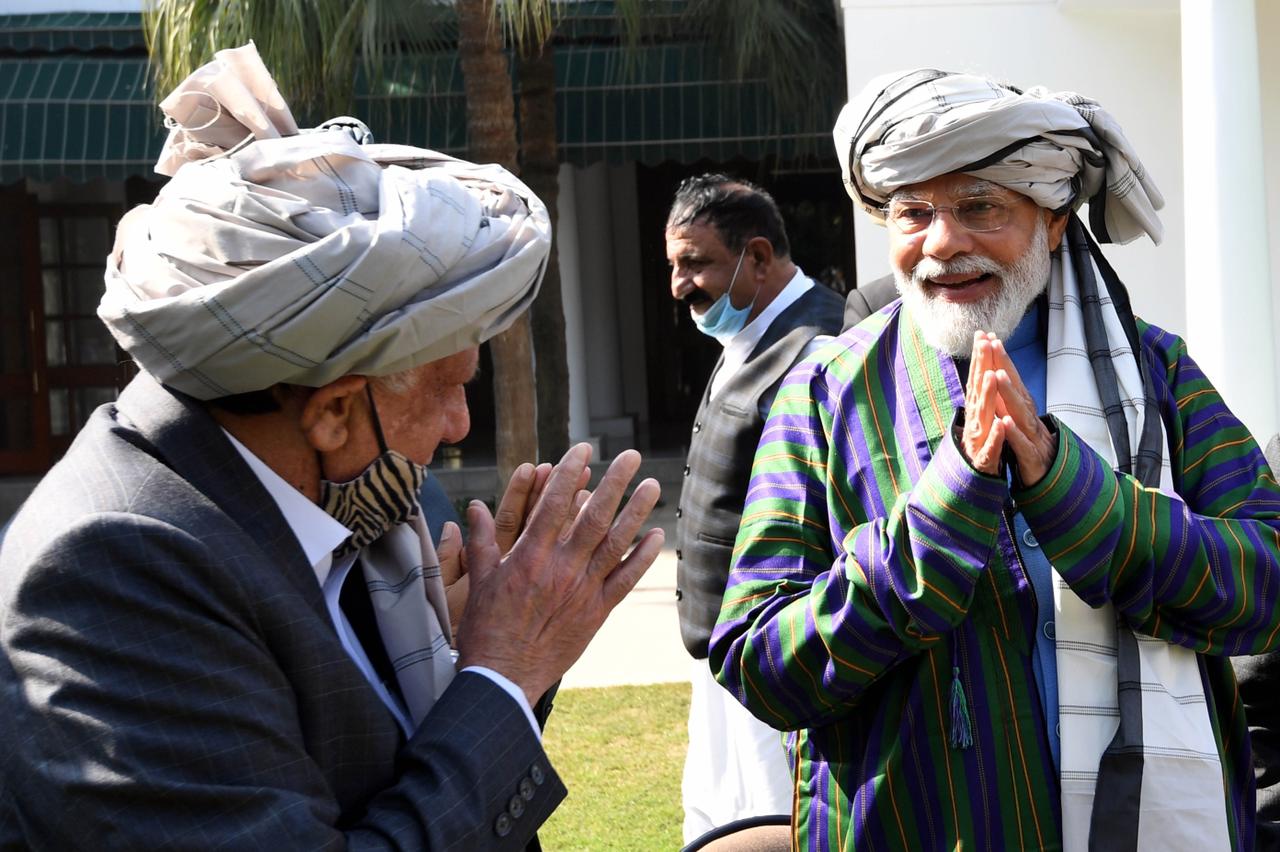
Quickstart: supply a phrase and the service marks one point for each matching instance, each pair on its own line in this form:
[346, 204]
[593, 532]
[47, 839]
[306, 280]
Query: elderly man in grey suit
[223, 623]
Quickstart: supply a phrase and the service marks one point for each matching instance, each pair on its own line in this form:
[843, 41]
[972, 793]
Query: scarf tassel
[961, 726]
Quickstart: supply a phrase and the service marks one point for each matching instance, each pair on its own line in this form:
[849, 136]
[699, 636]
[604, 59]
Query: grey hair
[397, 384]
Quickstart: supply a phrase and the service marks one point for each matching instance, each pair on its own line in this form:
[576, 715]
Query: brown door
[24, 412]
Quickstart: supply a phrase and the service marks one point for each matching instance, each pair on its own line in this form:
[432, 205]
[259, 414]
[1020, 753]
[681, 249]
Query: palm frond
[313, 47]
[794, 46]
[527, 25]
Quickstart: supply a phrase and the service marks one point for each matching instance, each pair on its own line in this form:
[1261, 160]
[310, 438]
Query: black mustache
[696, 296]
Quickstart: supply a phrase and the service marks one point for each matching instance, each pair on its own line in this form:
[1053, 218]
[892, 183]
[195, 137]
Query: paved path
[640, 643]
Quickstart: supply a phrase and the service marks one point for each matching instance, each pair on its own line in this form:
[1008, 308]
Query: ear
[1057, 225]
[760, 250]
[326, 415]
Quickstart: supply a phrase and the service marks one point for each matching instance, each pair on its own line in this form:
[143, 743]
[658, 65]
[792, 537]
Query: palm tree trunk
[540, 169]
[491, 133]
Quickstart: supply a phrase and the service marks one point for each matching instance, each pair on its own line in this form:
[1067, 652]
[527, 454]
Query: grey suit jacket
[867, 299]
[172, 679]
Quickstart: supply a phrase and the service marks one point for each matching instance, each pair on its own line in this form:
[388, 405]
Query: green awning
[70, 106]
[670, 103]
[66, 31]
[76, 116]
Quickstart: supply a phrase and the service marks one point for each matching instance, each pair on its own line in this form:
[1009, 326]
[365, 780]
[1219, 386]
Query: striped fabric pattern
[876, 577]
[383, 495]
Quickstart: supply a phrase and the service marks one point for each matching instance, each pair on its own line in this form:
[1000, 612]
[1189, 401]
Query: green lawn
[620, 751]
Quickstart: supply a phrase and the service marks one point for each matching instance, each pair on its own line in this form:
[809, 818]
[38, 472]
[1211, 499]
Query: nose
[458, 422]
[677, 283]
[946, 238]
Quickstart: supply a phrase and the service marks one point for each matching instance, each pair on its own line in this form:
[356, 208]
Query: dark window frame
[25, 385]
[71, 377]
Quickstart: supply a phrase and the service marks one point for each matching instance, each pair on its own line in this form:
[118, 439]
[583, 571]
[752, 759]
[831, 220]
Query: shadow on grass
[620, 751]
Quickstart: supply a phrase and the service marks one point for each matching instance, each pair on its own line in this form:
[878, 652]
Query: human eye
[911, 215]
[979, 205]
[982, 212]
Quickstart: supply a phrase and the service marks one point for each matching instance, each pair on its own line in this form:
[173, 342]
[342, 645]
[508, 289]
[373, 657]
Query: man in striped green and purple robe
[1001, 537]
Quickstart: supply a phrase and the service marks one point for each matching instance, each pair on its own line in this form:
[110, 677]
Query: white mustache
[929, 267]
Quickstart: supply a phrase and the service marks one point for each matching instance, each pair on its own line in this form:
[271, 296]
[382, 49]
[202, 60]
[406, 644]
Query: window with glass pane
[83, 361]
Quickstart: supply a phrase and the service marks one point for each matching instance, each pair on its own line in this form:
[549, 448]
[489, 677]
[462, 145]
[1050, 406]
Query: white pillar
[1228, 293]
[599, 300]
[571, 293]
[624, 209]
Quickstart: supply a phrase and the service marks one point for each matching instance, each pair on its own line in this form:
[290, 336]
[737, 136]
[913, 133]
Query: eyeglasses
[979, 213]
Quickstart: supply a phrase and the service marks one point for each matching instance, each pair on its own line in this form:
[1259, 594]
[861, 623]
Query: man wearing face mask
[222, 621]
[730, 262]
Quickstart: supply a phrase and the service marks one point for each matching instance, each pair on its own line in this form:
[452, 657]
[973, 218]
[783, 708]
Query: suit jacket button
[697, 427]
[526, 789]
[679, 555]
[502, 825]
[686, 470]
[679, 594]
[535, 772]
[679, 511]
[515, 807]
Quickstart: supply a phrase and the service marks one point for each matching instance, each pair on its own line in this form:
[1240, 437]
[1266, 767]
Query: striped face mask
[383, 495]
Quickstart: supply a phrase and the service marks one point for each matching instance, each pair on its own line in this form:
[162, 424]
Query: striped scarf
[400, 568]
[1140, 765]
[401, 574]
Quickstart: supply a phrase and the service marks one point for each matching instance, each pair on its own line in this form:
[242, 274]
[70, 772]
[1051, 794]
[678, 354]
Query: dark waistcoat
[723, 443]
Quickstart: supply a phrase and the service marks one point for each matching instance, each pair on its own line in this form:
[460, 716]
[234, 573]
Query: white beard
[948, 326]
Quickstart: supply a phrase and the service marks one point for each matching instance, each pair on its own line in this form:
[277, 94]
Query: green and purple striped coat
[874, 566]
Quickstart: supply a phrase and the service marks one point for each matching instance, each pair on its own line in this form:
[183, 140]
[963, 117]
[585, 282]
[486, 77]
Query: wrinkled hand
[533, 611]
[1032, 443]
[983, 437]
[517, 502]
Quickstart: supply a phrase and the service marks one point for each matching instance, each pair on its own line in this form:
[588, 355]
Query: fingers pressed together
[998, 410]
[546, 572]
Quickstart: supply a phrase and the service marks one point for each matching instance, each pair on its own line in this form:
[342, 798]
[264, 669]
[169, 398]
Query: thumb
[482, 553]
[449, 553]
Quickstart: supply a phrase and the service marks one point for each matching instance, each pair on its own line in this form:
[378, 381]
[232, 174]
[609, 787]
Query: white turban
[1059, 148]
[273, 256]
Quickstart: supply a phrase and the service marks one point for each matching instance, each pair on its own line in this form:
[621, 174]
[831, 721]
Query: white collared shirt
[318, 533]
[739, 347]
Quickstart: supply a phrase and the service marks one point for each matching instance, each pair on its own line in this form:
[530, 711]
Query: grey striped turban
[1059, 148]
[278, 256]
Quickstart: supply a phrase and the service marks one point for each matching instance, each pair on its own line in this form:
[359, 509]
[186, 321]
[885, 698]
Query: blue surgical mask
[722, 320]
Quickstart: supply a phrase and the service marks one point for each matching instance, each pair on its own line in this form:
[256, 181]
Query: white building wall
[1268, 16]
[1124, 53]
[1229, 294]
